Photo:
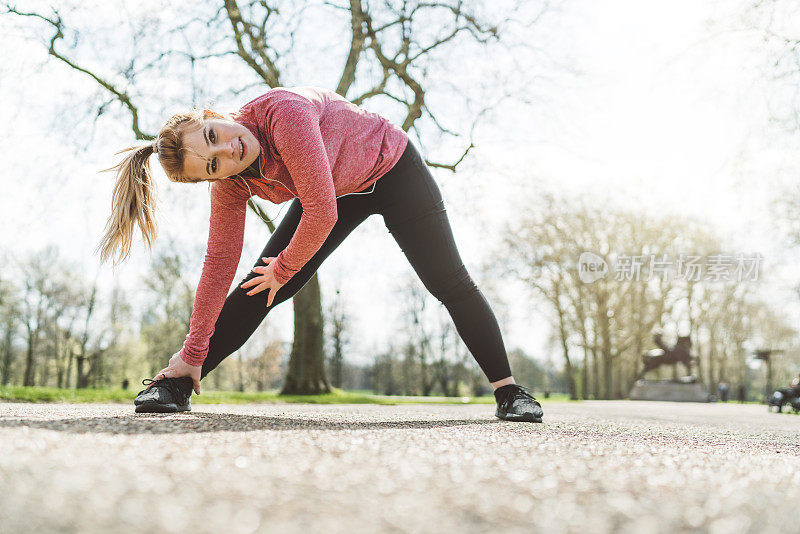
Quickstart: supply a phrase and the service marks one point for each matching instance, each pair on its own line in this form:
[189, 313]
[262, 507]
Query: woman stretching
[338, 164]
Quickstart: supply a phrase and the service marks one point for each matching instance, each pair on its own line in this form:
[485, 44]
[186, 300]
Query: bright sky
[667, 111]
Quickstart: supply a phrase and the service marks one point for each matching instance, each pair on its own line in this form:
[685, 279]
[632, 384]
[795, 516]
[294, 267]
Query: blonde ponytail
[133, 201]
[134, 197]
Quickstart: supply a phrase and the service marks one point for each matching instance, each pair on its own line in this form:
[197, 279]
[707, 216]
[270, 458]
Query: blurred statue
[665, 355]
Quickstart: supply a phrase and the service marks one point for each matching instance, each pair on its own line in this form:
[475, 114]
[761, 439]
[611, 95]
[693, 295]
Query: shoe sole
[526, 417]
[155, 407]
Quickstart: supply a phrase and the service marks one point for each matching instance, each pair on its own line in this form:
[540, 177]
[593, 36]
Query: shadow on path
[191, 422]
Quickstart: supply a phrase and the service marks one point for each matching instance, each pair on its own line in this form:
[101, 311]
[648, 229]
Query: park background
[634, 127]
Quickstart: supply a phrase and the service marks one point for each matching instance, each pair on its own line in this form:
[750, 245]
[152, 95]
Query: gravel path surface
[591, 467]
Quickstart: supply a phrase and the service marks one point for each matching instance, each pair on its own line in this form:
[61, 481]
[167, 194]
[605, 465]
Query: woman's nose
[229, 149]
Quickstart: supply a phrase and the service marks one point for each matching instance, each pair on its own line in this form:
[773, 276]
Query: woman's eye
[211, 136]
[214, 165]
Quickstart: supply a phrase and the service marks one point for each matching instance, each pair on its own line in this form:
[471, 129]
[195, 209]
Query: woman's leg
[414, 212]
[241, 314]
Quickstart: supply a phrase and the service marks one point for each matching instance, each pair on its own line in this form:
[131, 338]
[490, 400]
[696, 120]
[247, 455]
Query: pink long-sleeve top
[317, 146]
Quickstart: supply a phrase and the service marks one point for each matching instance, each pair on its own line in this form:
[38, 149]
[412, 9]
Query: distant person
[125, 384]
[742, 393]
[723, 388]
[338, 164]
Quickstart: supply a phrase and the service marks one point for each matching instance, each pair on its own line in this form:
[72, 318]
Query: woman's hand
[265, 281]
[177, 368]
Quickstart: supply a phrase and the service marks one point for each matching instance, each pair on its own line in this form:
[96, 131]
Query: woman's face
[218, 149]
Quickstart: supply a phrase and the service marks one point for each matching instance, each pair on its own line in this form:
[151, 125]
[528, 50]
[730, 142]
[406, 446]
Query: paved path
[592, 467]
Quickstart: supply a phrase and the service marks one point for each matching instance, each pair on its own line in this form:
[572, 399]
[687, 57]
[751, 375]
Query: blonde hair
[134, 196]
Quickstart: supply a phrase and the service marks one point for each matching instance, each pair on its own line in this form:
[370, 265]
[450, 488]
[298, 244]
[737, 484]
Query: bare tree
[414, 300]
[37, 271]
[64, 308]
[166, 318]
[268, 365]
[10, 311]
[117, 334]
[339, 321]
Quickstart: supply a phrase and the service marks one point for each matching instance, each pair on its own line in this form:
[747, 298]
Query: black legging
[413, 210]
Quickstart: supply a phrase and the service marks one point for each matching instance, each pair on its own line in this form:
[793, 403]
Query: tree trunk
[579, 311]
[427, 385]
[70, 359]
[97, 370]
[444, 378]
[638, 349]
[563, 337]
[7, 357]
[389, 368]
[573, 393]
[456, 379]
[408, 368]
[585, 375]
[59, 360]
[607, 391]
[425, 367]
[336, 362]
[80, 381]
[711, 370]
[44, 367]
[619, 381]
[28, 377]
[241, 373]
[306, 374]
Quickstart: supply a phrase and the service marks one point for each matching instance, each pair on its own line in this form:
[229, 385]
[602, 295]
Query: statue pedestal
[686, 389]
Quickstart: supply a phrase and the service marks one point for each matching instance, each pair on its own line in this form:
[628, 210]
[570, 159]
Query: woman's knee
[452, 288]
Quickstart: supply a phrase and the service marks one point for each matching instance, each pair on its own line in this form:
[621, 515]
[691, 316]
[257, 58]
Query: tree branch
[268, 71]
[119, 94]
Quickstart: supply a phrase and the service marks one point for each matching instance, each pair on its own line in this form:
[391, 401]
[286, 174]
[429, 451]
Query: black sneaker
[165, 395]
[514, 403]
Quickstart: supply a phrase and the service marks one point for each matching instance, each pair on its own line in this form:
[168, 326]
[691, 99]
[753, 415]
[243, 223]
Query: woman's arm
[224, 249]
[294, 125]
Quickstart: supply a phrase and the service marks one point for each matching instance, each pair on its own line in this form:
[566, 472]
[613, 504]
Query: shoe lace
[171, 386]
[514, 393]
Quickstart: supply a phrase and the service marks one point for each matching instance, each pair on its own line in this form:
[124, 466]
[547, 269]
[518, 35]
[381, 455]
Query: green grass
[45, 394]
[338, 396]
